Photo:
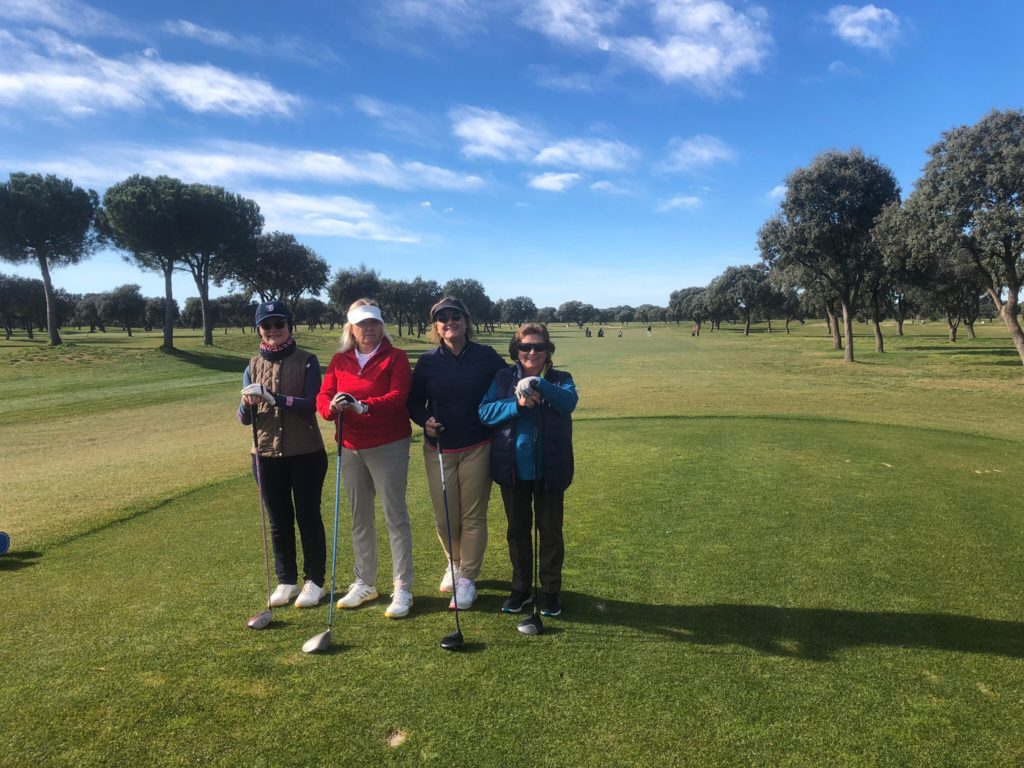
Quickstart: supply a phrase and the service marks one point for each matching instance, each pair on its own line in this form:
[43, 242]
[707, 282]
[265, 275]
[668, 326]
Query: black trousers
[522, 501]
[292, 489]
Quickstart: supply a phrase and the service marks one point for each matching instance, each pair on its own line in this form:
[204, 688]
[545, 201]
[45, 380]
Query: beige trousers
[382, 471]
[467, 475]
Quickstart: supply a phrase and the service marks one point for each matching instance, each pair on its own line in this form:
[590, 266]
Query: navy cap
[448, 304]
[272, 308]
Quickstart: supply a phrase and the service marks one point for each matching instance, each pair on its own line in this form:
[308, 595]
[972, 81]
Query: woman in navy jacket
[447, 384]
[530, 405]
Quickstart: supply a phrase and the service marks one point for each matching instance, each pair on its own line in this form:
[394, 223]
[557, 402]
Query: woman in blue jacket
[529, 404]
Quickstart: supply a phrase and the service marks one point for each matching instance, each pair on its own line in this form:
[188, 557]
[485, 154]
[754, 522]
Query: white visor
[365, 312]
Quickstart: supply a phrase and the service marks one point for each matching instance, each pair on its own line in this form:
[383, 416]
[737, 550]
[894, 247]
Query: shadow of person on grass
[15, 560]
[815, 634]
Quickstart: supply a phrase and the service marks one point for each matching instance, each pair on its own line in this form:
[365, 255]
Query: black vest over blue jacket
[557, 430]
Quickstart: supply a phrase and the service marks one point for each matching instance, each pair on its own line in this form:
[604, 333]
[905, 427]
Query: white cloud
[487, 133]
[588, 154]
[866, 27]
[490, 134]
[398, 120]
[229, 163]
[45, 70]
[777, 192]
[679, 202]
[572, 21]
[330, 216]
[608, 188]
[419, 174]
[294, 48]
[454, 18]
[703, 42]
[554, 182]
[214, 37]
[583, 83]
[696, 152]
[68, 15]
[426, 204]
[840, 68]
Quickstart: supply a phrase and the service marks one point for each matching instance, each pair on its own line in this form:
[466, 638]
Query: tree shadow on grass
[815, 634]
[15, 560]
[212, 362]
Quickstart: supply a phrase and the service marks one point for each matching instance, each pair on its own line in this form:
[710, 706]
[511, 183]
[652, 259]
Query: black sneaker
[551, 605]
[516, 602]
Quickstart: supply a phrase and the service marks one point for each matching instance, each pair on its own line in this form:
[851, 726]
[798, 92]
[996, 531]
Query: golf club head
[531, 625]
[5, 543]
[453, 642]
[317, 643]
[260, 620]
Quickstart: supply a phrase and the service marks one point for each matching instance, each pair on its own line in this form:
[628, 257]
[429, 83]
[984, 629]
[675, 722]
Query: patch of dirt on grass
[396, 737]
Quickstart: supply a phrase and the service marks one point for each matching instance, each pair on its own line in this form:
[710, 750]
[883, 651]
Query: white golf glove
[258, 390]
[344, 400]
[524, 386]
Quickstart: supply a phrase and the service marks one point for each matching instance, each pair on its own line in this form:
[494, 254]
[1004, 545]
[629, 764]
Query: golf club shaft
[538, 486]
[535, 575]
[263, 512]
[448, 528]
[337, 503]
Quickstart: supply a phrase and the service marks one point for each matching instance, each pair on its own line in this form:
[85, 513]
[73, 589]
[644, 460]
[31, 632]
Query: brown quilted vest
[283, 432]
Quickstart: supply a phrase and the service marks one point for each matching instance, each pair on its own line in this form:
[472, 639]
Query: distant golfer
[529, 404]
[282, 382]
[447, 384]
[368, 383]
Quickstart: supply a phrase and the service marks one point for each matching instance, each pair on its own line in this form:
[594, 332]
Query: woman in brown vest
[280, 385]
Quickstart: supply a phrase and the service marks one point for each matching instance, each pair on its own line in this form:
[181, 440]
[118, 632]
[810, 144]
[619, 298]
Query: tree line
[164, 225]
[405, 303]
[844, 244]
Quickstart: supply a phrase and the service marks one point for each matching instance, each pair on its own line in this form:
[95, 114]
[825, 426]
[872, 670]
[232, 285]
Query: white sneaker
[310, 596]
[401, 602]
[446, 580]
[359, 592]
[283, 595]
[465, 593]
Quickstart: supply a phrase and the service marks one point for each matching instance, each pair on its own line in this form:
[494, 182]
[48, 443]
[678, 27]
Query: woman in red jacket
[367, 383]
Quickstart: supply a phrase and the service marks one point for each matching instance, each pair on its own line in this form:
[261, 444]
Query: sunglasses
[448, 317]
[533, 347]
[273, 325]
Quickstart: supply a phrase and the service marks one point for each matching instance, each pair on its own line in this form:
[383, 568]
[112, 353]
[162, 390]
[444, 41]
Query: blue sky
[609, 152]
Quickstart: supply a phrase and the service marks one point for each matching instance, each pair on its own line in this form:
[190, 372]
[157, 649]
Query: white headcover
[365, 312]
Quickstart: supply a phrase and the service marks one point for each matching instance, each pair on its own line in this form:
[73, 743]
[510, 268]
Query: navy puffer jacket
[556, 428]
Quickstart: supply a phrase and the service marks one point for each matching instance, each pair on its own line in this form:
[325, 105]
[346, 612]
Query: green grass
[773, 559]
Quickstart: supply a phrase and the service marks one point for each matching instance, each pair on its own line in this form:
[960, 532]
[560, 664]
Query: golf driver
[321, 642]
[454, 641]
[262, 619]
[532, 625]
